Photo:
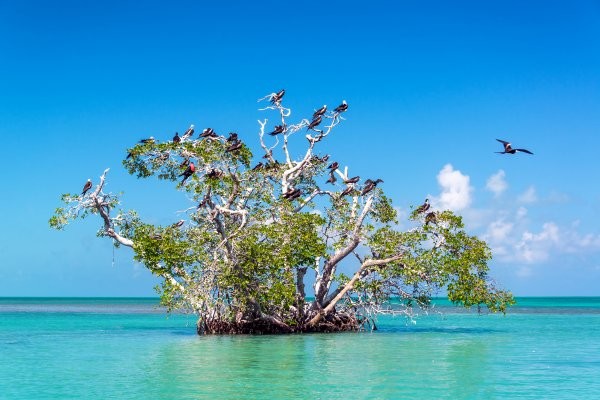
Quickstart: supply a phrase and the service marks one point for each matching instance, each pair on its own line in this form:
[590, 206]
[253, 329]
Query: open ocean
[74, 348]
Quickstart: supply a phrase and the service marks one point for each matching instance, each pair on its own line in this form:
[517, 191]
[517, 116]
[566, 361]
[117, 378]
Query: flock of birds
[235, 144]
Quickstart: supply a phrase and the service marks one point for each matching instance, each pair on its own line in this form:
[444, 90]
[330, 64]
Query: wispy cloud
[529, 196]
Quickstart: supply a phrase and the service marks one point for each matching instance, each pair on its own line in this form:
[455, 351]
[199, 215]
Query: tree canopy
[259, 232]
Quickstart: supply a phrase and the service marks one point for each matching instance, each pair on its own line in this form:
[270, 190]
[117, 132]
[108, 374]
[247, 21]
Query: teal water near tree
[545, 348]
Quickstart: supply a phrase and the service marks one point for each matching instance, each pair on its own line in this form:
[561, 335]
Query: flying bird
[509, 150]
[320, 111]
[176, 138]
[315, 122]
[423, 207]
[188, 133]
[276, 97]
[233, 137]
[86, 187]
[369, 185]
[352, 180]
[277, 130]
[342, 107]
[189, 171]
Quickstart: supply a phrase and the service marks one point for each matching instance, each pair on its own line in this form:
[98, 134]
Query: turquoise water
[546, 348]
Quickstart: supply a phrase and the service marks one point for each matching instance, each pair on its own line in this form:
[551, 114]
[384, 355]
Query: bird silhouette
[86, 187]
[423, 207]
[342, 107]
[508, 149]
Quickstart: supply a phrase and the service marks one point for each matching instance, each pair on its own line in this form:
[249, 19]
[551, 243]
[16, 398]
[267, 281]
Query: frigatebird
[257, 166]
[430, 217]
[268, 154]
[86, 187]
[208, 132]
[292, 194]
[423, 207]
[342, 107]
[176, 138]
[352, 180]
[276, 97]
[277, 130]
[369, 185]
[320, 111]
[214, 173]
[325, 158]
[333, 166]
[331, 179]
[235, 146]
[233, 137]
[314, 122]
[188, 133]
[149, 140]
[178, 224]
[189, 171]
[509, 150]
[348, 190]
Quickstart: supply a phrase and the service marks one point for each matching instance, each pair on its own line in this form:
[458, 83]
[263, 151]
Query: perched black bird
[320, 111]
[331, 179]
[348, 190]
[325, 158]
[189, 171]
[342, 107]
[352, 180]
[86, 187]
[235, 146]
[149, 140]
[178, 224]
[208, 132]
[333, 166]
[215, 173]
[276, 97]
[258, 166]
[268, 155]
[315, 122]
[188, 133]
[509, 150]
[369, 185]
[430, 218]
[292, 193]
[233, 137]
[277, 130]
[424, 207]
[176, 138]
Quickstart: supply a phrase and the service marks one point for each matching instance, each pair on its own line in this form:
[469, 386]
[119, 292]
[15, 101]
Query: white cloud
[536, 247]
[496, 183]
[528, 196]
[456, 190]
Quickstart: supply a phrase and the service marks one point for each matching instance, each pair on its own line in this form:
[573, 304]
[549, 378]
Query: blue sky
[431, 85]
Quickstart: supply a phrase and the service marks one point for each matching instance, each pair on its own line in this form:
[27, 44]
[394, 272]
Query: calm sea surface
[545, 348]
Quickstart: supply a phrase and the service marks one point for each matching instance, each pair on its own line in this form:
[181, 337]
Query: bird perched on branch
[149, 140]
[188, 133]
[235, 146]
[315, 122]
[423, 207]
[333, 166]
[189, 171]
[208, 132]
[352, 180]
[178, 224]
[86, 187]
[430, 218]
[320, 111]
[342, 107]
[233, 137]
[509, 150]
[369, 185]
[214, 173]
[292, 194]
[277, 130]
[258, 166]
[348, 190]
[176, 138]
[331, 179]
[276, 97]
